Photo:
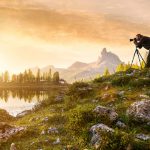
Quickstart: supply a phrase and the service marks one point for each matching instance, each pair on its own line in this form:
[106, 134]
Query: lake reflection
[16, 101]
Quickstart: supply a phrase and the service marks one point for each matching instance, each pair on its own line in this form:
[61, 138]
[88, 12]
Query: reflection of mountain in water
[81, 70]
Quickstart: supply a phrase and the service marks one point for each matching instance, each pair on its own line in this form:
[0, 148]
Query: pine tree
[38, 76]
[14, 78]
[56, 77]
[49, 75]
[6, 76]
[106, 72]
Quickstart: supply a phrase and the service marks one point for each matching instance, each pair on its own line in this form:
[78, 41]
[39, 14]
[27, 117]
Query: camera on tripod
[131, 40]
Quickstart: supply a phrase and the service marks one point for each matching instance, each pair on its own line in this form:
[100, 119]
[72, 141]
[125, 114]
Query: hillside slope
[96, 115]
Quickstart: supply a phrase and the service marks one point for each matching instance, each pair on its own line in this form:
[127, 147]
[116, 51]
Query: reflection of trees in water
[25, 94]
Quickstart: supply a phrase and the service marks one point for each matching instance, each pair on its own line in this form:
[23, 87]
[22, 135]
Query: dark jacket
[144, 42]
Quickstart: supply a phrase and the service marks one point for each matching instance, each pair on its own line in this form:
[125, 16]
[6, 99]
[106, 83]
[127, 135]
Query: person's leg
[148, 61]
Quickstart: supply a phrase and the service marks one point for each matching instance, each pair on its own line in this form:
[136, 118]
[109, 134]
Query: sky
[49, 32]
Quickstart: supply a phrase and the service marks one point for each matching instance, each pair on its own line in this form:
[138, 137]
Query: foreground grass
[73, 116]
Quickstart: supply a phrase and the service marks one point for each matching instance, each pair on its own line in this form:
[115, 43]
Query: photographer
[143, 41]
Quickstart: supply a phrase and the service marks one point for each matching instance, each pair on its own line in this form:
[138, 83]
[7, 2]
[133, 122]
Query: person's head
[139, 37]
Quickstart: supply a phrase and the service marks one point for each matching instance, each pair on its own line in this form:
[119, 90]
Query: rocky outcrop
[140, 111]
[96, 136]
[109, 113]
[6, 130]
[23, 113]
[143, 137]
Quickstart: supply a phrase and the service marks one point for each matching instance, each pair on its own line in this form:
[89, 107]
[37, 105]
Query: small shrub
[102, 79]
[140, 82]
[69, 103]
[80, 90]
[80, 117]
[115, 141]
[121, 81]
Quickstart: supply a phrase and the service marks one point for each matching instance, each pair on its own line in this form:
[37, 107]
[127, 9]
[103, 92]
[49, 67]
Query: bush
[140, 82]
[121, 81]
[80, 90]
[102, 79]
[80, 117]
[115, 141]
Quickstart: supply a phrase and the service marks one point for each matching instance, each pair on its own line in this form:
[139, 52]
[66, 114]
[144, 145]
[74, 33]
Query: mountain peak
[104, 51]
[78, 65]
[108, 57]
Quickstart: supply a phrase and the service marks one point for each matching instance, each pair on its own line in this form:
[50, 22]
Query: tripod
[139, 57]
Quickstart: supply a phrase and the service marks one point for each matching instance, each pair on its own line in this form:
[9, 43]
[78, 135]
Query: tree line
[29, 77]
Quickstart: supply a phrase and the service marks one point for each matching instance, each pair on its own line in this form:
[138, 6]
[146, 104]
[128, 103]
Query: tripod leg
[142, 57]
[133, 58]
[139, 58]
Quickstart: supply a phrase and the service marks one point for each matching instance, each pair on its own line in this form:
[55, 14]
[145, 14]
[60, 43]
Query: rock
[13, 146]
[121, 93]
[59, 98]
[94, 129]
[69, 147]
[130, 74]
[52, 130]
[120, 124]
[144, 96]
[96, 137]
[23, 113]
[148, 123]
[140, 111]
[107, 88]
[34, 119]
[57, 141]
[43, 132]
[45, 119]
[143, 137]
[106, 96]
[9, 132]
[32, 143]
[94, 101]
[95, 140]
[106, 112]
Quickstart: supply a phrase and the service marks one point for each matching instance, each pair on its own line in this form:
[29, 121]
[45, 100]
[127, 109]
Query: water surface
[17, 101]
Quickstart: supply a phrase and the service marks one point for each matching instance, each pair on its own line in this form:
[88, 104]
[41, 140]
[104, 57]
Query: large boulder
[96, 136]
[109, 113]
[140, 111]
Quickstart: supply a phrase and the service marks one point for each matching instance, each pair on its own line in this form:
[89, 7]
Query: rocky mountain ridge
[86, 71]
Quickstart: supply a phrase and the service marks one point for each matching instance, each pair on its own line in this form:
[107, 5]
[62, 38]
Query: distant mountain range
[85, 71]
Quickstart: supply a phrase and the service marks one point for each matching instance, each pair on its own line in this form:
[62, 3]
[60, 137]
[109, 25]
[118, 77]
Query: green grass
[74, 116]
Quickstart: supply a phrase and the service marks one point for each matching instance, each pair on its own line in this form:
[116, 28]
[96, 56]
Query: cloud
[54, 26]
[30, 36]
